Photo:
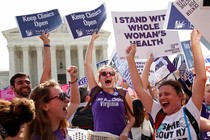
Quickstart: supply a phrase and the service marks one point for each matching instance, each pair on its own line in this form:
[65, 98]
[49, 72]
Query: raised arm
[145, 74]
[88, 62]
[74, 91]
[46, 74]
[199, 67]
[136, 79]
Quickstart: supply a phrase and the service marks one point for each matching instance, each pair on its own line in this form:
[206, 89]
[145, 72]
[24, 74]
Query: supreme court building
[26, 54]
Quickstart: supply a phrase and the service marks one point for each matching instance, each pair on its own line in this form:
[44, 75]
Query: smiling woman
[53, 108]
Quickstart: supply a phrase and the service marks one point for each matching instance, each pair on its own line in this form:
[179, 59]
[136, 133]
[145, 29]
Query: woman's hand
[130, 51]
[45, 38]
[73, 72]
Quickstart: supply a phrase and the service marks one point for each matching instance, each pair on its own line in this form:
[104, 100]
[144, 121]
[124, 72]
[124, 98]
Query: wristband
[73, 81]
[46, 45]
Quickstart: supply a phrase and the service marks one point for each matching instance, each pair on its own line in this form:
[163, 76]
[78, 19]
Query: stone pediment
[14, 32]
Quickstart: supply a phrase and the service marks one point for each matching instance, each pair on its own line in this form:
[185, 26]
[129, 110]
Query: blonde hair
[105, 67]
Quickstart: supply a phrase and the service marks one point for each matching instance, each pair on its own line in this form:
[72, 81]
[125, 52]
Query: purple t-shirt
[108, 112]
[205, 112]
[58, 134]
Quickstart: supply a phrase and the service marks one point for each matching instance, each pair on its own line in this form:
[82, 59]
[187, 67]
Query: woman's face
[107, 77]
[169, 100]
[57, 105]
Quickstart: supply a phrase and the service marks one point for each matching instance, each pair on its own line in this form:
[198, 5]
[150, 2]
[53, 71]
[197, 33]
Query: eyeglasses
[105, 73]
[62, 96]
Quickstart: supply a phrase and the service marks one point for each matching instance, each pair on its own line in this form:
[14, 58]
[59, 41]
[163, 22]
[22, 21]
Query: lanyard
[187, 124]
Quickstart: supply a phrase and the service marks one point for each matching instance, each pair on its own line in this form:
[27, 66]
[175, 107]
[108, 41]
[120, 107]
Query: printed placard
[36, 24]
[145, 30]
[82, 24]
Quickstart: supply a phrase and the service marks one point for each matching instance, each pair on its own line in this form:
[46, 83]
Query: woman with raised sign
[173, 120]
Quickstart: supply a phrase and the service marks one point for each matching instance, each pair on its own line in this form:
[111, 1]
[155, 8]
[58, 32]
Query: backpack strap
[95, 91]
[121, 92]
[159, 118]
[193, 122]
[161, 115]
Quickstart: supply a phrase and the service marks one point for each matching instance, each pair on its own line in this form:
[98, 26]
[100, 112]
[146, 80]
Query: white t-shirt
[174, 127]
[147, 130]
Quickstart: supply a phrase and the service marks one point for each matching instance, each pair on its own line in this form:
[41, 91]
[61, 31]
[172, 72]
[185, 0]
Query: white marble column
[104, 49]
[94, 60]
[80, 60]
[39, 61]
[26, 64]
[68, 60]
[54, 63]
[11, 61]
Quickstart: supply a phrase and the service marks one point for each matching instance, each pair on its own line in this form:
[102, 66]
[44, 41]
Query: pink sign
[7, 94]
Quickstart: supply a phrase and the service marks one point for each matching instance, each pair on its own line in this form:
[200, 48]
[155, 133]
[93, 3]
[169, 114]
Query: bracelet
[73, 81]
[46, 45]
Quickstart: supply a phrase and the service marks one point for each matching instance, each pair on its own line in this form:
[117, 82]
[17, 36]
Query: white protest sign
[145, 30]
[200, 18]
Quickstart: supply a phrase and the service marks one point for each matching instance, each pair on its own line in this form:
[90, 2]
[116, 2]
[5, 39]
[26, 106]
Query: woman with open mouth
[108, 106]
[174, 121]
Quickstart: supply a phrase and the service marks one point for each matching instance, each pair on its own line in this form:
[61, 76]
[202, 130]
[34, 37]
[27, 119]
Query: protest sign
[101, 63]
[175, 20]
[83, 81]
[36, 24]
[82, 24]
[7, 94]
[163, 68]
[82, 134]
[145, 30]
[192, 11]
[180, 64]
[187, 54]
[122, 67]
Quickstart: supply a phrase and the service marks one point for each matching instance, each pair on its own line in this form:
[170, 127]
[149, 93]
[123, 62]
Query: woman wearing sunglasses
[53, 109]
[108, 107]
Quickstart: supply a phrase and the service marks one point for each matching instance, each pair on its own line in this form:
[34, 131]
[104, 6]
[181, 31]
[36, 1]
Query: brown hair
[174, 83]
[41, 125]
[15, 113]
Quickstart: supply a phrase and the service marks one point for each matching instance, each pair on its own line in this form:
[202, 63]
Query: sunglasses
[62, 96]
[105, 73]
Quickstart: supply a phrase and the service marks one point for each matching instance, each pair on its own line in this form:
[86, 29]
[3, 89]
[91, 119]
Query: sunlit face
[107, 77]
[57, 105]
[169, 100]
[22, 87]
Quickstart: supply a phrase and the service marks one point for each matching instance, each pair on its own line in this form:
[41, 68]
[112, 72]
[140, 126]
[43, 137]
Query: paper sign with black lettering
[175, 20]
[85, 23]
[145, 30]
[191, 10]
[38, 23]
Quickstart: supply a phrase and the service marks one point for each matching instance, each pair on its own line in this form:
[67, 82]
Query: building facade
[26, 54]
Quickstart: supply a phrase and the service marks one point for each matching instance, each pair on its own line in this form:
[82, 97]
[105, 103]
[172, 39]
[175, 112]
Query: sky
[12, 8]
